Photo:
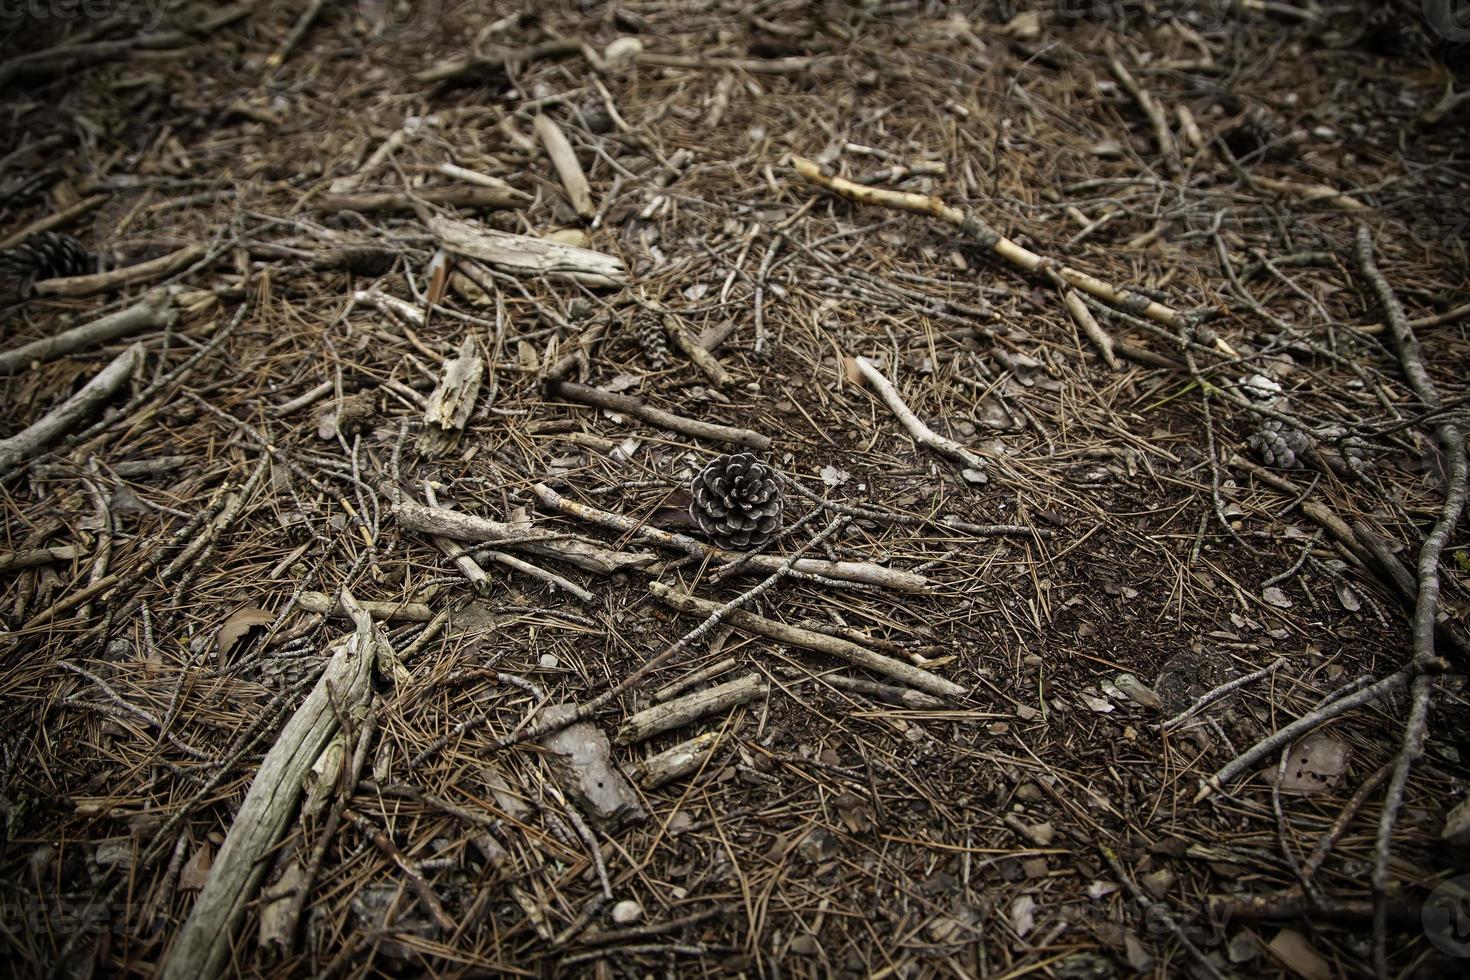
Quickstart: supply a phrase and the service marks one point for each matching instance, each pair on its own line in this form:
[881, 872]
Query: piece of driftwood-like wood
[152, 312]
[581, 760]
[528, 255]
[11, 561]
[49, 428]
[71, 287]
[675, 763]
[568, 168]
[915, 677]
[846, 571]
[628, 405]
[452, 400]
[923, 435]
[206, 939]
[469, 527]
[681, 711]
[397, 612]
[455, 196]
[988, 237]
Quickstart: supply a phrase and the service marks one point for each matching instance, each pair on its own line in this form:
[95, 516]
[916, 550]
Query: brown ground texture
[1094, 548]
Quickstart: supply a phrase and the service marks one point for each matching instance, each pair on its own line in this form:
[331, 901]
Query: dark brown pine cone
[737, 502]
[648, 327]
[49, 255]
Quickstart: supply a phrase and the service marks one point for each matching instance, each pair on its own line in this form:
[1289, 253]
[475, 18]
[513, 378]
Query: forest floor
[1190, 471]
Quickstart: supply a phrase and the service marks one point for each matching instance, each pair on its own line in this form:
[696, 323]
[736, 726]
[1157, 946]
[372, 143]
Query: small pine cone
[49, 255]
[1279, 444]
[737, 502]
[648, 327]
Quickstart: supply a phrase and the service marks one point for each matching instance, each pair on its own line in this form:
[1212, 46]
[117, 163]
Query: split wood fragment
[846, 571]
[988, 237]
[55, 424]
[452, 400]
[915, 677]
[150, 313]
[674, 763]
[581, 759]
[691, 707]
[568, 169]
[628, 405]
[207, 937]
[526, 254]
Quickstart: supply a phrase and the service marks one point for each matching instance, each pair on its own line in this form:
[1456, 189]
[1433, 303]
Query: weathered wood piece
[468, 527]
[681, 711]
[72, 287]
[152, 312]
[915, 677]
[204, 943]
[55, 424]
[528, 255]
[452, 400]
[674, 763]
[564, 159]
[583, 766]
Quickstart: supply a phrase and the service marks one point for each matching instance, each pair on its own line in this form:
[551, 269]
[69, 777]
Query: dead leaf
[1274, 596]
[834, 477]
[1298, 956]
[239, 623]
[195, 871]
[1316, 763]
[438, 276]
[1023, 915]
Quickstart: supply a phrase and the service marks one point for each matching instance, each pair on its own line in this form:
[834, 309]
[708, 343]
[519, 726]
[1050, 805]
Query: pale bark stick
[988, 237]
[922, 434]
[57, 220]
[915, 677]
[564, 159]
[55, 424]
[204, 943]
[681, 711]
[627, 405]
[150, 313]
[71, 287]
[846, 571]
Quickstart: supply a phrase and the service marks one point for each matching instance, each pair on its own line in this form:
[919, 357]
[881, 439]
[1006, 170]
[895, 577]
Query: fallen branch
[527, 255]
[915, 677]
[922, 434]
[674, 763]
[71, 287]
[203, 946]
[468, 527]
[366, 202]
[681, 711]
[992, 240]
[150, 313]
[59, 219]
[1157, 118]
[628, 405]
[55, 424]
[845, 571]
[564, 159]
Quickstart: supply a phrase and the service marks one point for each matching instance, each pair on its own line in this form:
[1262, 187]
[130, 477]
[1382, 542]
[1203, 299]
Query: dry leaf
[195, 871]
[1316, 763]
[239, 623]
[1298, 956]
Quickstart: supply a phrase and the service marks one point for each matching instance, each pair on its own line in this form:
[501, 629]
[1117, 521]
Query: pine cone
[1279, 444]
[737, 502]
[49, 255]
[648, 327]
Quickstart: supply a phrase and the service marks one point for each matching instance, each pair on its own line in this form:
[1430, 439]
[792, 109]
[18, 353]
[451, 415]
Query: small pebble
[549, 661]
[627, 912]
